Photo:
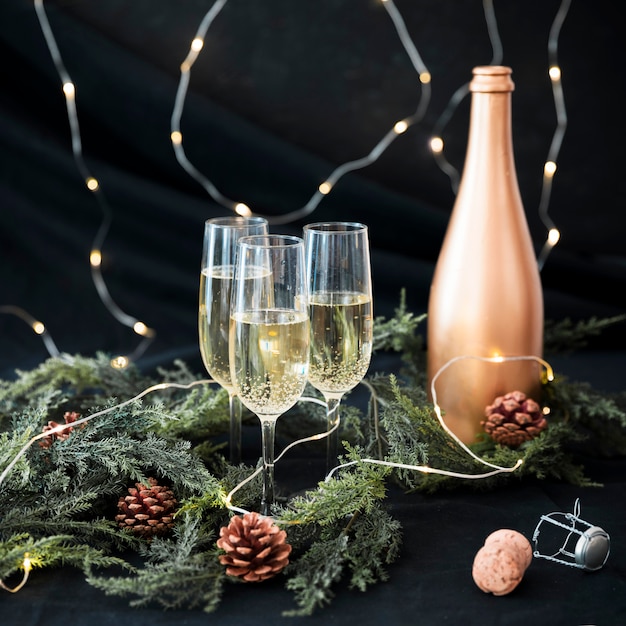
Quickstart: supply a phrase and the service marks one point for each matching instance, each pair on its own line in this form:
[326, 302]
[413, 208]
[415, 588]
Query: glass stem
[332, 440]
[268, 429]
[234, 406]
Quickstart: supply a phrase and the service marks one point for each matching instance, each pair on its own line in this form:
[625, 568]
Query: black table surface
[431, 581]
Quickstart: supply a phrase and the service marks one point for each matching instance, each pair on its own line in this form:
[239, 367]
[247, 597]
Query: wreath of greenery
[57, 504]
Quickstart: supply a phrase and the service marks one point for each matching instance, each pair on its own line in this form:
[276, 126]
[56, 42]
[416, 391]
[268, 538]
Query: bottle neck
[490, 143]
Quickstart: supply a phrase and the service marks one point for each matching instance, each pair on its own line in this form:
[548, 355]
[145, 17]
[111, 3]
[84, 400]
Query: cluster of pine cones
[255, 548]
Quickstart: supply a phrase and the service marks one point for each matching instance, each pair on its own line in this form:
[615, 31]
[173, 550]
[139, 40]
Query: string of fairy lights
[550, 165]
[228, 499]
[93, 185]
[326, 186]
[437, 148]
[436, 141]
[241, 208]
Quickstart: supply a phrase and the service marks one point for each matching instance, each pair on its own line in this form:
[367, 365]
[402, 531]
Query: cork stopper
[492, 78]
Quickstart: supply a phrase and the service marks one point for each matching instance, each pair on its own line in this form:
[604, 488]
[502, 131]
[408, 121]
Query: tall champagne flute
[340, 308]
[221, 235]
[269, 336]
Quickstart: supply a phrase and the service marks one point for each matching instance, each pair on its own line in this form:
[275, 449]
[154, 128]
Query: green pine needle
[58, 503]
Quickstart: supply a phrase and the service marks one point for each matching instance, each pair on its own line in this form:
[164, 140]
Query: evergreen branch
[52, 551]
[398, 333]
[354, 490]
[565, 336]
[314, 575]
[178, 573]
[64, 496]
[375, 543]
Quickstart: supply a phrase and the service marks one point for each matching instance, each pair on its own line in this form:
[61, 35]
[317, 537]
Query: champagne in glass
[221, 235]
[269, 336]
[341, 316]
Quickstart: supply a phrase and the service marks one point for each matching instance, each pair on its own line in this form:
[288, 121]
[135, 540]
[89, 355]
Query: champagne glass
[341, 316]
[221, 235]
[269, 335]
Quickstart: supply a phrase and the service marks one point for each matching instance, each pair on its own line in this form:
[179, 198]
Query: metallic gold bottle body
[486, 297]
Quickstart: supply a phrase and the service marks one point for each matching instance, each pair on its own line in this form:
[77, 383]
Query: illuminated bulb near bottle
[400, 127]
[549, 169]
[553, 236]
[95, 258]
[436, 145]
[425, 78]
[38, 327]
[69, 90]
[197, 44]
[176, 137]
[325, 188]
[555, 73]
[92, 183]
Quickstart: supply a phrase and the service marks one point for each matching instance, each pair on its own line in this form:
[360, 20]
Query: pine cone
[256, 549]
[513, 419]
[70, 417]
[147, 511]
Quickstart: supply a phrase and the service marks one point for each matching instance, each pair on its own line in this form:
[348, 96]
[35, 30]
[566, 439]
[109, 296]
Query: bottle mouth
[491, 78]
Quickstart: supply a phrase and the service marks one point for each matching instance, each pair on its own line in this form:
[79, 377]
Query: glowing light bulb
[325, 188]
[436, 145]
[27, 565]
[197, 44]
[141, 329]
[243, 209]
[95, 258]
[92, 183]
[555, 73]
[69, 90]
[38, 327]
[553, 236]
[425, 78]
[176, 137]
[120, 362]
[549, 168]
[498, 358]
[400, 127]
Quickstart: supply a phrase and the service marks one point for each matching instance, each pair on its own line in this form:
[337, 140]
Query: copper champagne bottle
[486, 297]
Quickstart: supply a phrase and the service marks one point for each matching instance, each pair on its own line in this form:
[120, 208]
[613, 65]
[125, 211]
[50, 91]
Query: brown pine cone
[70, 417]
[513, 419]
[256, 549]
[147, 511]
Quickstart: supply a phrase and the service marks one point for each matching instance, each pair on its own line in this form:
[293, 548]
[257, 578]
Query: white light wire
[459, 95]
[339, 172]
[316, 437]
[559, 133]
[77, 151]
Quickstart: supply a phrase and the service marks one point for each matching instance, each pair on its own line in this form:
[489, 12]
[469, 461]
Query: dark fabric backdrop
[283, 93]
